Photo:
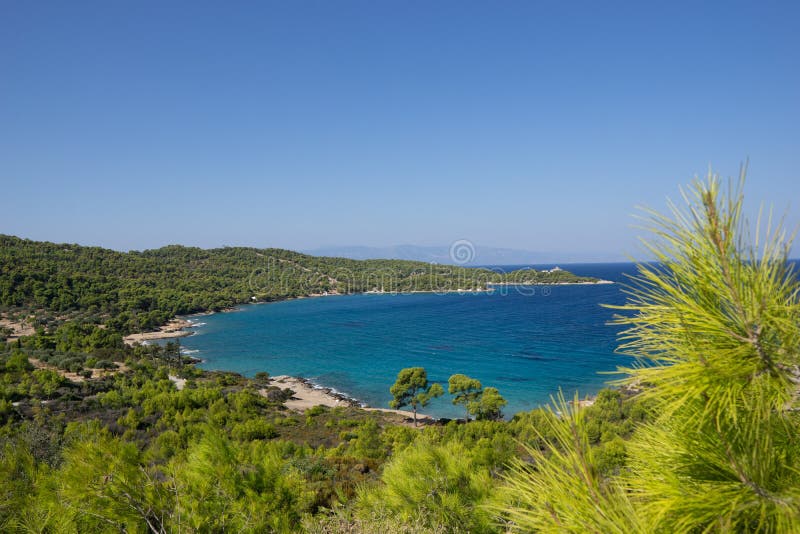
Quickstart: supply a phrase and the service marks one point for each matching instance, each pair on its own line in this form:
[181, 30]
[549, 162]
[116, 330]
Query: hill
[140, 290]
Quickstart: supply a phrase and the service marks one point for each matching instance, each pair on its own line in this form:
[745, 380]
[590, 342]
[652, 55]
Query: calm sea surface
[526, 345]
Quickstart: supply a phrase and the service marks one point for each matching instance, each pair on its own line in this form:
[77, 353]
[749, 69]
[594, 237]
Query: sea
[530, 342]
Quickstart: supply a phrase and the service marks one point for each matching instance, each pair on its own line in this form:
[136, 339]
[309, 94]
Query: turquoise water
[527, 343]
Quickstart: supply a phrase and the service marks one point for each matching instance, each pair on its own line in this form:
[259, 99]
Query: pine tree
[715, 327]
[465, 390]
[412, 389]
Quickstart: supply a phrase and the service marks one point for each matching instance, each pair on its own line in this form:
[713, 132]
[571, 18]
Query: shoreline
[595, 283]
[178, 326]
[307, 394]
[173, 329]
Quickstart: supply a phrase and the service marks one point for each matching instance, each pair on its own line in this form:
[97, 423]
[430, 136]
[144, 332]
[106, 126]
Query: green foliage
[367, 443]
[142, 290]
[49, 381]
[488, 405]
[702, 437]
[104, 483]
[411, 389]
[262, 378]
[342, 520]
[439, 485]
[76, 336]
[397, 438]
[18, 362]
[191, 456]
[5, 333]
[139, 291]
[253, 429]
[478, 402]
[612, 416]
[465, 390]
[223, 487]
[559, 488]
[716, 326]
[19, 474]
[492, 444]
[528, 276]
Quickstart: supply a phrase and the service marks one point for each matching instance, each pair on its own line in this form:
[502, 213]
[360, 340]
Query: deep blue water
[527, 345]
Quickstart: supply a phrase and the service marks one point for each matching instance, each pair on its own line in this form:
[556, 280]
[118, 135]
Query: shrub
[253, 429]
[438, 484]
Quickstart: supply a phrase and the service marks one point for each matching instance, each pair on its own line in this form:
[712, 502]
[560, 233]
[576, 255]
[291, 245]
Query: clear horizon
[527, 125]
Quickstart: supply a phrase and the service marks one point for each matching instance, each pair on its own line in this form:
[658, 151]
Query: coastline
[178, 326]
[173, 329]
[307, 395]
[597, 282]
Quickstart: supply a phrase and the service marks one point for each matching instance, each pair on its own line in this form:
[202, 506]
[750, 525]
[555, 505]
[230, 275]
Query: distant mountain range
[459, 253]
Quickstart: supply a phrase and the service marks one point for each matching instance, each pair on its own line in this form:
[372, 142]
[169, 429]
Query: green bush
[254, 429]
[440, 485]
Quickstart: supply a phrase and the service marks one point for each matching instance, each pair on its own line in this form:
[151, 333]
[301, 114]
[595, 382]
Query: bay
[528, 342]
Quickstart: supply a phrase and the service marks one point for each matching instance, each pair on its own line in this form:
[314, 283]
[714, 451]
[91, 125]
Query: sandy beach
[307, 396]
[173, 329]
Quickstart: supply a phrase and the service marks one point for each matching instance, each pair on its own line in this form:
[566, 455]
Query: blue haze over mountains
[483, 255]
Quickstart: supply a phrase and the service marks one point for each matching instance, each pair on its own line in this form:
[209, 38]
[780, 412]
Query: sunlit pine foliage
[714, 325]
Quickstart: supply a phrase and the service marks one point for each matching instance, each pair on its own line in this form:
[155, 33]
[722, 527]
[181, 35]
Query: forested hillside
[135, 291]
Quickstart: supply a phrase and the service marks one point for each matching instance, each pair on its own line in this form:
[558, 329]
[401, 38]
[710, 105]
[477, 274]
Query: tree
[223, 486]
[49, 381]
[440, 486]
[172, 351]
[411, 389]
[5, 333]
[104, 483]
[465, 389]
[488, 405]
[715, 323]
[368, 442]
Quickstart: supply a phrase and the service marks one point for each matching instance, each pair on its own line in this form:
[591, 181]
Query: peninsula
[48, 285]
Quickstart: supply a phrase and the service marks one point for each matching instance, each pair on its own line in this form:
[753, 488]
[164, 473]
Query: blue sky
[533, 125]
